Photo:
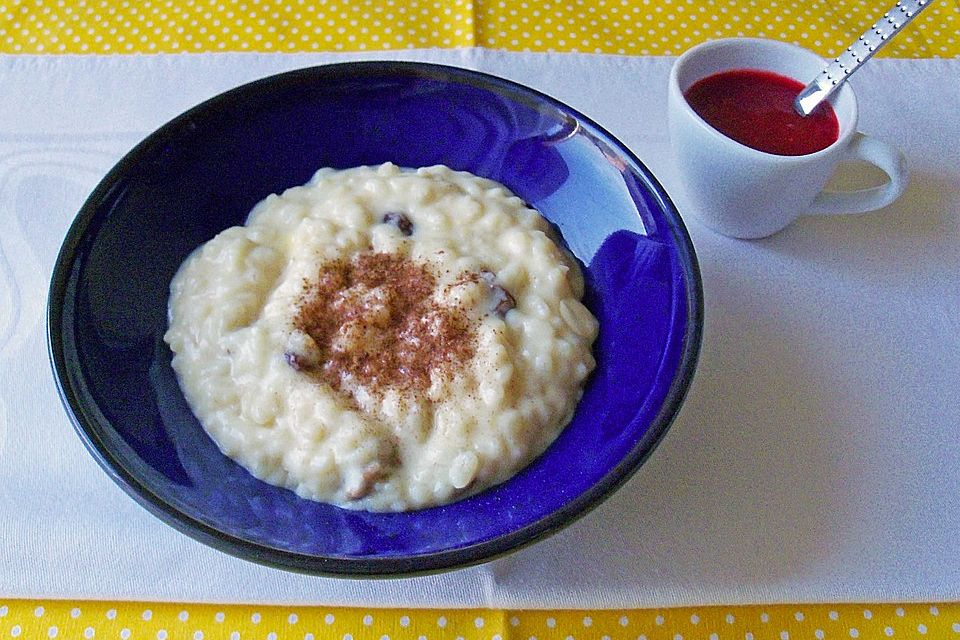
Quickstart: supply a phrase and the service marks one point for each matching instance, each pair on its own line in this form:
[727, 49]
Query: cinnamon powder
[374, 319]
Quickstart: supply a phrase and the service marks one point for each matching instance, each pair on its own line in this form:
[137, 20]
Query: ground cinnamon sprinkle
[374, 319]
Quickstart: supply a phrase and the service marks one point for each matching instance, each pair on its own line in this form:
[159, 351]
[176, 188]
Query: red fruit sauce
[755, 108]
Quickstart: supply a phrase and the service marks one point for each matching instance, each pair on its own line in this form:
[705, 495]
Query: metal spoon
[843, 66]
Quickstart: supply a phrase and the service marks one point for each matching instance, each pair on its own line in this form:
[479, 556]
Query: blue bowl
[203, 171]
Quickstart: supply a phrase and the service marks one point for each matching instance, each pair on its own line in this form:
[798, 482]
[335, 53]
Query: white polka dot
[956, 627]
[934, 611]
[799, 616]
[922, 628]
[52, 632]
[38, 612]
[15, 631]
[273, 635]
[367, 620]
[551, 622]
[328, 618]
[75, 613]
[748, 636]
[404, 621]
[162, 634]
[478, 623]
[125, 634]
[900, 612]
[658, 621]
[514, 621]
[888, 631]
[694, 619]
[219, 617]
[4, 610]
[587, 621]
[784, 635]
[111, 614]
[833, 615]
[854, 633]
[624, 621]
[308, 636]
[714, 636]
[292, 618]
[198, 635]
[764, 618]
[183, 616]
[730, 618]
[678, 637]
[347, 636]
[818, 634]
[88, 633]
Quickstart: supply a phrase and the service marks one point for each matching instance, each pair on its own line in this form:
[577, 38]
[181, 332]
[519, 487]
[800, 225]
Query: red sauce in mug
[755, 108]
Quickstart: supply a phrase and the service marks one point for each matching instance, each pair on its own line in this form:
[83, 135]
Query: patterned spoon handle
[843, 66]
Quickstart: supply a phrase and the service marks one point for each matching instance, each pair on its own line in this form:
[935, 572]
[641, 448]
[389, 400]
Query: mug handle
[882, 156]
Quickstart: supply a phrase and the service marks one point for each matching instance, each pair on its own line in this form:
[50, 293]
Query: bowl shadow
[751, 489]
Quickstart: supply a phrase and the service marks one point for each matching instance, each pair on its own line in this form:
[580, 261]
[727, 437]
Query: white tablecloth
[816, 458]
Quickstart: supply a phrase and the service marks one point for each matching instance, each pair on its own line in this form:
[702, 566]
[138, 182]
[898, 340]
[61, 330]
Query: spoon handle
[843, 66]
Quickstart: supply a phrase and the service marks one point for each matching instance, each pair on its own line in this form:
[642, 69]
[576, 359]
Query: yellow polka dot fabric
[669, 27]
[75, 620]
[632, 27]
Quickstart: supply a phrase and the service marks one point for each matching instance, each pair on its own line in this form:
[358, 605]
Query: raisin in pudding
[383, 338]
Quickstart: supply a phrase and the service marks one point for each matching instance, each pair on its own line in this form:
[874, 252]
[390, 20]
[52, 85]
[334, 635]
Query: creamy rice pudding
[383, 338]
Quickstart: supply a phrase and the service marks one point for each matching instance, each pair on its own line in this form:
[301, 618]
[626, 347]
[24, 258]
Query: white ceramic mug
[741, 192]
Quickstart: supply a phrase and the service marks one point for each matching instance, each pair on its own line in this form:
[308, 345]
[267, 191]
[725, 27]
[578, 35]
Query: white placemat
[816, 458]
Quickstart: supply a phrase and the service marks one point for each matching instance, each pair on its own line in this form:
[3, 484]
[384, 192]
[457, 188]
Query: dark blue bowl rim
[374, 566]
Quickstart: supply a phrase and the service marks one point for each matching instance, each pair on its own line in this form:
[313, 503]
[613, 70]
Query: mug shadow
[920, 214]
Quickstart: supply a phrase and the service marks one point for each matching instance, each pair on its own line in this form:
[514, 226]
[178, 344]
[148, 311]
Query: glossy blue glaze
[203, 172]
